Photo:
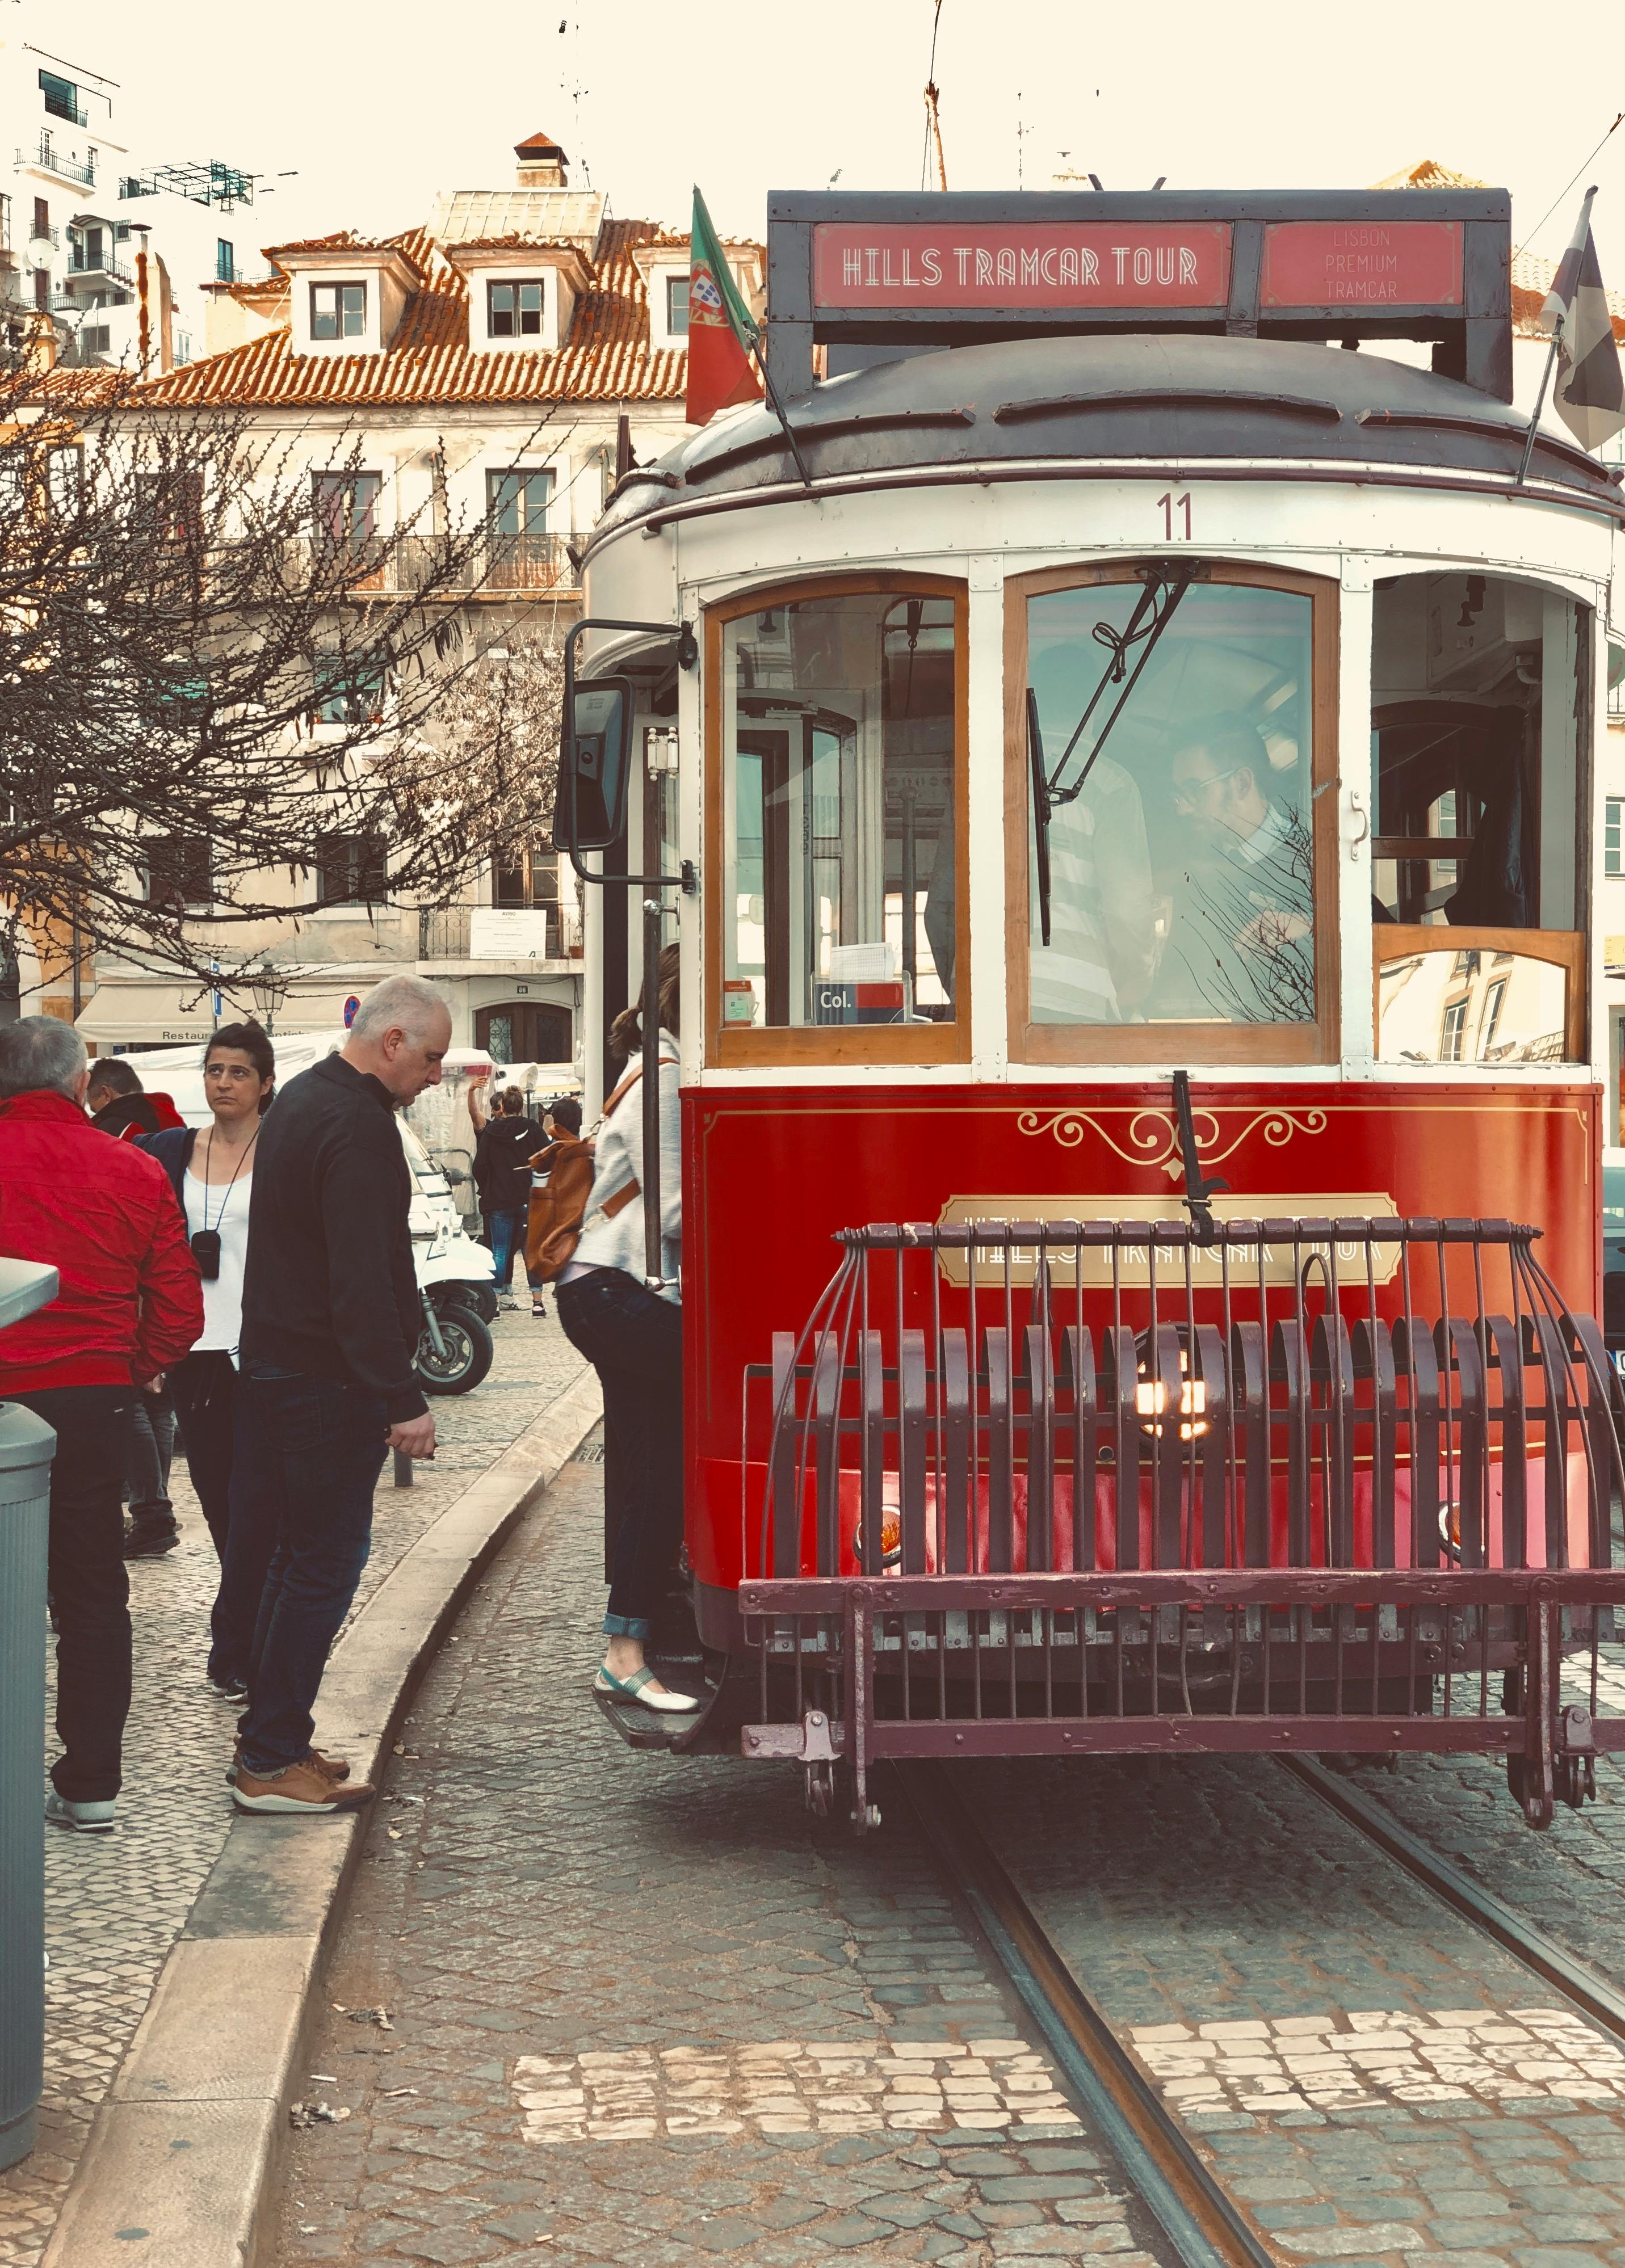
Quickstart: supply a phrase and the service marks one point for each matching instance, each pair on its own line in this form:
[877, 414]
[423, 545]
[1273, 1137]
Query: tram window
[839, 812]
[1173, 822]
[1478, 685]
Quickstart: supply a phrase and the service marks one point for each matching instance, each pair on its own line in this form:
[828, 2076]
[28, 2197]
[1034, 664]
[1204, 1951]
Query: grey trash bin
[27, 1443]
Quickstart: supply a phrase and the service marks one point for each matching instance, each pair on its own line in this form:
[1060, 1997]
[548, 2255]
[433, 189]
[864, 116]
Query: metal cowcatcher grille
[1062, 1487]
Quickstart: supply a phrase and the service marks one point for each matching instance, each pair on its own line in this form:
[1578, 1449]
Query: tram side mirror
[593, 765]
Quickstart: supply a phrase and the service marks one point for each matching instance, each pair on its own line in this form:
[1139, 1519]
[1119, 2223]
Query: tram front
[1140, 685]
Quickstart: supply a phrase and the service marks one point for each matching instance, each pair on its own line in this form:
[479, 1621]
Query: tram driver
[1249, 878]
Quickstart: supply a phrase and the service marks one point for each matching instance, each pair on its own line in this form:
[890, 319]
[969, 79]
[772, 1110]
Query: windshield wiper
[1146, 626]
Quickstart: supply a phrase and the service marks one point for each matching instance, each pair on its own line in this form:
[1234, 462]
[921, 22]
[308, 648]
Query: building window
[179, 873]
[518, 501]
[64, 478]
[62, 98]
[348, 692]
[514, 311]
[677, 306]
[41, 218]
[346, 506]
[1612, 811]
[351, 870]
[169, 506]
[838, 885]
[338, 310]
[524, 875]
[1489, 1024]
[225, 264]
[1451, 1036]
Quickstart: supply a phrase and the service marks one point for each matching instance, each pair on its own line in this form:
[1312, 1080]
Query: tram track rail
[1534, 1948]
[1183, 2194]
[1201, 2223]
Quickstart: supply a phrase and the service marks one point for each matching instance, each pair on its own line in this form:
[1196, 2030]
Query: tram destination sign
[856, 274]
[1319, 263]
[1079, 264]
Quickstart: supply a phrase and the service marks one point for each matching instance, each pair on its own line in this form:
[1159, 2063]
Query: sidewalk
[115, 1905]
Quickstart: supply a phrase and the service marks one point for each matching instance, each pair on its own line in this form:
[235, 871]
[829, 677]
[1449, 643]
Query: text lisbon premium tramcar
[1141, 683]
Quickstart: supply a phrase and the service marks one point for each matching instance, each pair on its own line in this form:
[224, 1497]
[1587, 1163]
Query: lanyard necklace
[230, 1186]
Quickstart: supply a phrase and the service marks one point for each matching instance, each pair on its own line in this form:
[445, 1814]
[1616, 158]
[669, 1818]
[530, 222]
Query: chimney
[43, 345]
[541, 163]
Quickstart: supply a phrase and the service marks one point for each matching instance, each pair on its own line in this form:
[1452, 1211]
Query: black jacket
[501, 1175]
[329, 1287]
[172, 1147]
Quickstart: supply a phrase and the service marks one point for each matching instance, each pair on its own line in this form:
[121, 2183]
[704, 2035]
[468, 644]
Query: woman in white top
[212, 1170]
[633, 1338]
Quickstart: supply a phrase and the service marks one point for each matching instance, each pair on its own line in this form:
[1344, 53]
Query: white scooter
[455, 1278]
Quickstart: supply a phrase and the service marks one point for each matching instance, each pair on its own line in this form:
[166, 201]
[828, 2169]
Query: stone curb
[181, 2162]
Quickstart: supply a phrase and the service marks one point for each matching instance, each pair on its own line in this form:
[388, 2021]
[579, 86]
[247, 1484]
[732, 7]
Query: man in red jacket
[102, 1213]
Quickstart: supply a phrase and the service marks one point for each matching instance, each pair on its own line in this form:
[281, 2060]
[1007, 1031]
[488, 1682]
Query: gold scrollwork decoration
[1153, 1139]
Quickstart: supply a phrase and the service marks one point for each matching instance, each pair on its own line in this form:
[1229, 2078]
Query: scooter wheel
[470, 1351]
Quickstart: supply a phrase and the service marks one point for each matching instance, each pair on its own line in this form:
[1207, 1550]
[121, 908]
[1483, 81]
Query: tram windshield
[839, 811]
[1170, 733]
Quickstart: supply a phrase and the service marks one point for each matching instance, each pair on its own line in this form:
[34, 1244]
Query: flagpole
[778, 408]
[1546, 380]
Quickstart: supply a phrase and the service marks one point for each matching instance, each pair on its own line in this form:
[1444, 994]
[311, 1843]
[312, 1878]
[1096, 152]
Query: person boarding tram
[633, 1338]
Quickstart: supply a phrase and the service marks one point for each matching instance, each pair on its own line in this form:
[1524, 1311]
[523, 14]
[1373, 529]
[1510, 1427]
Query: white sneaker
[83, 1818]
[509, 1307]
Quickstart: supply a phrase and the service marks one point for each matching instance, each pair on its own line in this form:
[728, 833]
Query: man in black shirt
[330, 1323]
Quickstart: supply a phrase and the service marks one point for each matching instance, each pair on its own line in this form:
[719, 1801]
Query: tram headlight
[1151, 1400]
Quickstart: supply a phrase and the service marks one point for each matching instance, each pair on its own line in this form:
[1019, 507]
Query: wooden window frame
[515, 283]
[1262, 1044]
[784, 1046]
[1565, 948]
[337, 286]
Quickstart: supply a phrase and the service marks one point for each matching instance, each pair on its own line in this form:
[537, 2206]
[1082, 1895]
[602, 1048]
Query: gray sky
[380, 103]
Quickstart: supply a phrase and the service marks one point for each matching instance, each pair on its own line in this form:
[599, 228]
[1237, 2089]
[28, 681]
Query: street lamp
[268, 987]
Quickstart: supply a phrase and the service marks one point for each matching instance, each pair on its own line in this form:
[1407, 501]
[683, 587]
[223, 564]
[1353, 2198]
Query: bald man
[331, 1315]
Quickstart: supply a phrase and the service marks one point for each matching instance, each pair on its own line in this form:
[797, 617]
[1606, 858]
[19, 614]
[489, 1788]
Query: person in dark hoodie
[120, 1106]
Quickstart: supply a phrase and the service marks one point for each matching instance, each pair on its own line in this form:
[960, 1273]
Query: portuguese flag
[721, 332]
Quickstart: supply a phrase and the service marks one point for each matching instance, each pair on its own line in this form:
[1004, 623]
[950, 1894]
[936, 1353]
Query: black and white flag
[1589, 393]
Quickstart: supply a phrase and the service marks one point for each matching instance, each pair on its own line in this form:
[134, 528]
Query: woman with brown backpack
[631, 1335]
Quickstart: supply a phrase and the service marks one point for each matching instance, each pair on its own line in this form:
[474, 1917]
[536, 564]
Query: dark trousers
[634, 1342]
[205, 1388]
[152, 1448]
[507, 1239]
[89, 1585]
[308, 1454]
[203, 1391]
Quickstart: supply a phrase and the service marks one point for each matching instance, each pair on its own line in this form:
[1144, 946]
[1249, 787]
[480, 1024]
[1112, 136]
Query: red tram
[1132, 785]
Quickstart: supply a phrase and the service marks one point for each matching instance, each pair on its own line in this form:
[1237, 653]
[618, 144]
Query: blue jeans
[634, 1342]
[507, 1238]
[310, 1451]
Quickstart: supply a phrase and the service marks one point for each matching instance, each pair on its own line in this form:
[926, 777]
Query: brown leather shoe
[302, 1788]
[333, 1767]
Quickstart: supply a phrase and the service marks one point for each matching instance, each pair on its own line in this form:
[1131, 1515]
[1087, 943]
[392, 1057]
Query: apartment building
[489, 367]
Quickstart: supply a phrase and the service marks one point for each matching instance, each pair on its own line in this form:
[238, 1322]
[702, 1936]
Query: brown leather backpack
[558, 1205]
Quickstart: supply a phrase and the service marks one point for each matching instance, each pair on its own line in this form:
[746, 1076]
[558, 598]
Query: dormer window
[338, 310]
[514, 310]
[677, 306]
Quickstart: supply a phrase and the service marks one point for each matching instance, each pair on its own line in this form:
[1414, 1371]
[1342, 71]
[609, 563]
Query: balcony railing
[79, 269]
[445, 933]
[57, 161]
[497, 565]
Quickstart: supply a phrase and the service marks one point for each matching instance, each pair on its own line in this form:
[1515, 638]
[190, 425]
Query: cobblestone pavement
[791, 2046]
[115, 1903]
[1374, 2080]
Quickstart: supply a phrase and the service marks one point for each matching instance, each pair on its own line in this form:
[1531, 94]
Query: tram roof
[1164, 400]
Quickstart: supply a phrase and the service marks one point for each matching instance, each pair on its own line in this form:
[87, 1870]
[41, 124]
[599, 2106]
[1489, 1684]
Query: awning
[165, 1011]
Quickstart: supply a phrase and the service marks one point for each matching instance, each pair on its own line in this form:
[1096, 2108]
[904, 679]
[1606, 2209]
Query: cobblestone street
[646, 2011]
[115, 1904]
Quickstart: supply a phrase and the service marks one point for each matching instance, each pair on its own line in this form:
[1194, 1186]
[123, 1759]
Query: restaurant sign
[996, 264]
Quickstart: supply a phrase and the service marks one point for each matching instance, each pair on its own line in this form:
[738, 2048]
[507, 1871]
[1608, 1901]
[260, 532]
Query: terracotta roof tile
[607, 356]
[1430, 174]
